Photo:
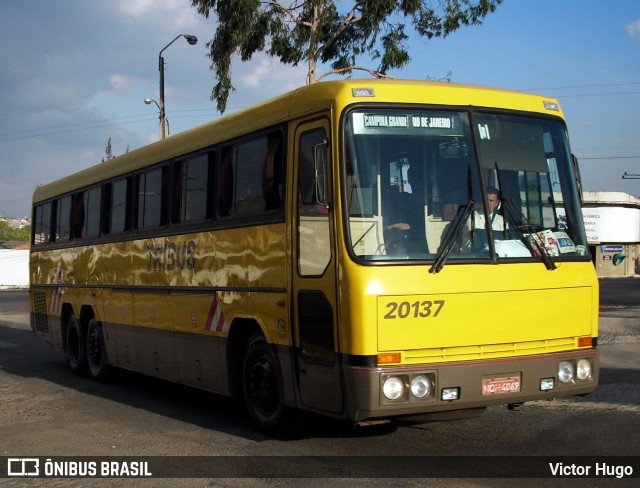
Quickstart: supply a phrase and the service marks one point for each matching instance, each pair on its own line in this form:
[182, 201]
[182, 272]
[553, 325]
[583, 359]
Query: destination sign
[377, 120]
[408, 123]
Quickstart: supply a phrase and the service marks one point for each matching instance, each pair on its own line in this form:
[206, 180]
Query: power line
[2, 134]
[614, 157]
[96, 125]
[80, 126]
[585, 86]
[574, 87]
[598, 94]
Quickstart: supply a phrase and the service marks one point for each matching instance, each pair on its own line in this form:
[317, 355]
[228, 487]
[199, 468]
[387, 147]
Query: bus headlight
[565, 372]
[420, 386]
[583, 369]
[393, 388]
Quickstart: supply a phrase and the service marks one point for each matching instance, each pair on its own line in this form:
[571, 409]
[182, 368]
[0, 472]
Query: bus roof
[307, 99]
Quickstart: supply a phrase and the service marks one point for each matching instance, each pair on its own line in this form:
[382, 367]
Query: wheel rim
[263, 387]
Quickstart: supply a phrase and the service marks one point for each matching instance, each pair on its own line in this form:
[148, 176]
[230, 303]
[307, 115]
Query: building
[612, 222]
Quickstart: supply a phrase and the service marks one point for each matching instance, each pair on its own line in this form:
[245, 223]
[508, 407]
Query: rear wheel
[96, 352]
[262, 386]
[76, 347]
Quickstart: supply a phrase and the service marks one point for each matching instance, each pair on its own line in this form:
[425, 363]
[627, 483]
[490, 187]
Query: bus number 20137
[417, 309]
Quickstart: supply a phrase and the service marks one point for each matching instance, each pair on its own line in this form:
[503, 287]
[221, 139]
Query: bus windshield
[443, 184]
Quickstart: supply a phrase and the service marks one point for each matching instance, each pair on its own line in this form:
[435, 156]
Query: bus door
[315, 331]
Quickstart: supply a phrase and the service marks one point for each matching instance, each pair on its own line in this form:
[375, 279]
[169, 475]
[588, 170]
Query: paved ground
[47, 411]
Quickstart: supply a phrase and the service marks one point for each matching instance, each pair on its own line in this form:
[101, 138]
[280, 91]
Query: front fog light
[393, 388]
[583, 369]
[565, 372]
[546, 384]
[450, 394]
[420, 386]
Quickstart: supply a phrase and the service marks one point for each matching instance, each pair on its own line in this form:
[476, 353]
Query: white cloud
[633, 29]
[123, 86]
[170, 14]
[268, 73]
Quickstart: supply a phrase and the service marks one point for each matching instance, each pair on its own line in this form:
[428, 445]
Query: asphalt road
[46, 411]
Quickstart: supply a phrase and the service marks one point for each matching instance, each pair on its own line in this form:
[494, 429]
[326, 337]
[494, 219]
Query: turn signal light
[585, 341]
[389, 358]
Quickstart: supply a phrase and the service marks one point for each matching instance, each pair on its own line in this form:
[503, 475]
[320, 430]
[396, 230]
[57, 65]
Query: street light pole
[163, 116]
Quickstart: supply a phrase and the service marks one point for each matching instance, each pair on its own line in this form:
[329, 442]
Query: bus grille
[40, 317]
[488, 351]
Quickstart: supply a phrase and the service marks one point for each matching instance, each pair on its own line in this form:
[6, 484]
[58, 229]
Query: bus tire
[76, 347]
[96, 352]
[262, 386]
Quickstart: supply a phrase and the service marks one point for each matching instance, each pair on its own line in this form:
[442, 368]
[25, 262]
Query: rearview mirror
[453, 149]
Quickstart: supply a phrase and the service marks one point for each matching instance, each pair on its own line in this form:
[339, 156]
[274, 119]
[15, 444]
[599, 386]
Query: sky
[75, 74]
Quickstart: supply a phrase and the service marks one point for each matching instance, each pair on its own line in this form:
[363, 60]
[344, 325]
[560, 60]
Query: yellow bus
[364, 250]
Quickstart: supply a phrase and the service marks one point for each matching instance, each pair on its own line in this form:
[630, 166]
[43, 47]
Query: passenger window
[152, 198]
[63, 219]
[225, 183]
[192, 196]
[77, 216]
[250, 179]
[248, 169]
[119, 206]
[42, 227]
[93, 211]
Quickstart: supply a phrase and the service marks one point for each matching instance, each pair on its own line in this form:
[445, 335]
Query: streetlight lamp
[163, 117]
[149, 101]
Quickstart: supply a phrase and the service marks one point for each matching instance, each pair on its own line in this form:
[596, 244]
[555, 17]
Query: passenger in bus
[495, 212]
[496, 219]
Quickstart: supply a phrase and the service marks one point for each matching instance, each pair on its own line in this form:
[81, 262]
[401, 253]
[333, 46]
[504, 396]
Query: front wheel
[96, 352]
[76, 347]
[262, 386]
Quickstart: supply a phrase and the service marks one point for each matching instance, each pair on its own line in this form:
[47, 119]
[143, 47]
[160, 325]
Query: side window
[312, 150]
[93, 211]
[248, 176]
[119, 206]
[272, 173]
[78, 214]
[42, 226]
[193, 178]
[86, 213]
[152, 198]
[314, 239]
[251, 177]
[63, 219]
[225, 183]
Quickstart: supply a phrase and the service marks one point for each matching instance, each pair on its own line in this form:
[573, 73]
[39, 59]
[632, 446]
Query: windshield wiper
[533, 245]
[515, 218]
[451, 236]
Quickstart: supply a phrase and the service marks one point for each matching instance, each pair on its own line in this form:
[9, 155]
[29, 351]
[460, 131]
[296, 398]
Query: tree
[108, 151]
[7, 233]
[328, 31]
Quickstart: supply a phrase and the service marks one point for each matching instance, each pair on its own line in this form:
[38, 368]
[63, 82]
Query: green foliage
[8, 233]
[328, 31]
[108, 151]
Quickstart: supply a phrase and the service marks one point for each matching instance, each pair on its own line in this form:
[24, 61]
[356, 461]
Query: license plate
[496, 386]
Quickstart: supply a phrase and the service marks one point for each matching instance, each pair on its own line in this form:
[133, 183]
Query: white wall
[612, 224]
[14, 267]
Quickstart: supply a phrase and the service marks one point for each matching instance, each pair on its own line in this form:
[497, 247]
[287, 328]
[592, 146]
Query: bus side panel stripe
[216, 317]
